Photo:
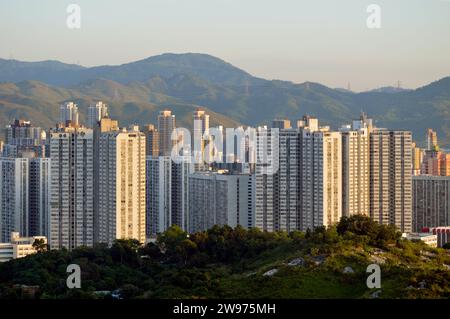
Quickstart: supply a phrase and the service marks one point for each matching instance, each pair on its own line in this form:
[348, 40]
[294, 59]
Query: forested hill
[235, 263]
[137, 90]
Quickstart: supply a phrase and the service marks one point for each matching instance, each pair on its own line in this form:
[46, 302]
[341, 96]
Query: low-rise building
[18, 247]
[443, 235]
[427, 238]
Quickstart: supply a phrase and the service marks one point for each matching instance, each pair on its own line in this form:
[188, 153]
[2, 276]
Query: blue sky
[325, 41]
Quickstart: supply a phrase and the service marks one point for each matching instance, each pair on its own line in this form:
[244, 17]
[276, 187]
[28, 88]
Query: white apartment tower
[121, 186]
[24, 196]
[14, 197]
[96, 112]
[72, 183]
[201, 130]
[298, 177]
[167, 193]
[158, 194]
[68, 114]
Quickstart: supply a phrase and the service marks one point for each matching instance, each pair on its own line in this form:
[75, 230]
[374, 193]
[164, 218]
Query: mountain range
[182, 82]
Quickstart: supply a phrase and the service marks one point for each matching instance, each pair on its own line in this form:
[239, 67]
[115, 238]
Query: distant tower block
[166, 124]
[68, 114]
[432, 140]
[96, 112]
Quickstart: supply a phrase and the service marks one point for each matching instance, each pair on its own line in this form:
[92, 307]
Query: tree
[357, 224]
[129, 291]
[40, 245]
[172, 237]
[186, 249]
[125, 251]
[361, 225]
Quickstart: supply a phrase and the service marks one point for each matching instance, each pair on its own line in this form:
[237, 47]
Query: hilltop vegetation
[236, 263]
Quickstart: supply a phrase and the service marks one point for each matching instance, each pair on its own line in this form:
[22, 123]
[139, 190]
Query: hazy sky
[325, 41]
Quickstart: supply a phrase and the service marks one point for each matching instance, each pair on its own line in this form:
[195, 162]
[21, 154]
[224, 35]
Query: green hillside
[183, 81]
[235, 263]
[130, 104]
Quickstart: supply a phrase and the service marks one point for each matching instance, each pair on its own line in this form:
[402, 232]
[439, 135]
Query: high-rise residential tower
[21, 132]
[321, 178]
[39, 196]
[121, 186]
[289, 193]
[417, 158]
[158, 194]
[22, 137]
[431, 202]
[24, 196]
[166, 124]
[105, 125]
[355, 171]
[96, 112]
[68, 114]
[266, 178]
[391, 178]
[432, 141]
[200, 138]
[219, 198]
[152, 140]
[14, 197]
[167, 193]
[298, 177]
[72, 187]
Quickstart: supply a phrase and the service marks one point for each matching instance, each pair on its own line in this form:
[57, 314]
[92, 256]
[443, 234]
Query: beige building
[355, 171]
[18, 247]
[320, 175]
[121, 185]
[332, 179]
[417, 158]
